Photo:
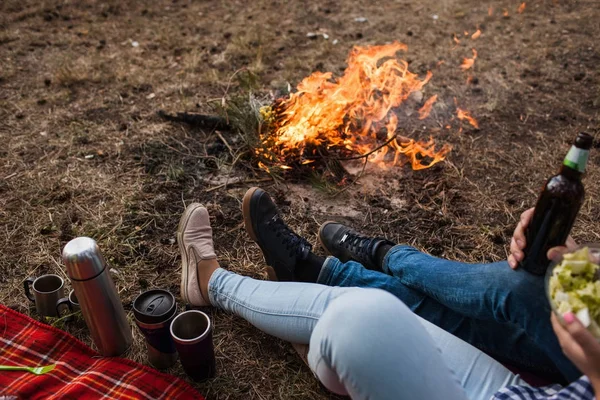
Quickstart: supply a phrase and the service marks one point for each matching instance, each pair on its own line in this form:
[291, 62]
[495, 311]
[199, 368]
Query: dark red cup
[192, 333]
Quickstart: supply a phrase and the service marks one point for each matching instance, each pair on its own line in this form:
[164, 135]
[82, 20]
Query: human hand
[579, 345]
[518, 242]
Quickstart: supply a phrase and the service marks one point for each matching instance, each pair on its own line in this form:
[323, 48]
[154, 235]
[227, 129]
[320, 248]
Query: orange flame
[426, 109]
[521, 8]
[352, 113]
[468, 62]
[463, 114]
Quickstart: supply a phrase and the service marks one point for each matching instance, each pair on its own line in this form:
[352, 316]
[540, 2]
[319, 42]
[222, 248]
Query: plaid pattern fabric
[80, 372]
[581, 389]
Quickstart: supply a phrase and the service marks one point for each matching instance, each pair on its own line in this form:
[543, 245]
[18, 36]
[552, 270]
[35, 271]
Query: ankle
[308, 270]
[381, 252]
[205, 270]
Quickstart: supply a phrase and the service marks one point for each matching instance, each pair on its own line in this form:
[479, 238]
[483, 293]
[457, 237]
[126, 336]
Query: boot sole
[250, 230]
[184, 261]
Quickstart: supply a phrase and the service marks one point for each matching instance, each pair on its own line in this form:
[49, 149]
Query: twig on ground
[237, 183]
[366, 155]
[355, 179]
[199, 120]
[226, 144]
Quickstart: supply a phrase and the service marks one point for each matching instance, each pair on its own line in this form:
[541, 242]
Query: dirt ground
[83, 152]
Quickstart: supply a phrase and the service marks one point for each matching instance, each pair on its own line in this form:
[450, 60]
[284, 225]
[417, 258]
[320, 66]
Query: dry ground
[84, 154]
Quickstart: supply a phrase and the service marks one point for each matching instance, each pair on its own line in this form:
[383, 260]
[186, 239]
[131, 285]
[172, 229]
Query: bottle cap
[83, 259]
[154, 306]
[584, 141]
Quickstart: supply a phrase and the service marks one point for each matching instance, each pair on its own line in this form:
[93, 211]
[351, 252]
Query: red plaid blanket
[80, 372]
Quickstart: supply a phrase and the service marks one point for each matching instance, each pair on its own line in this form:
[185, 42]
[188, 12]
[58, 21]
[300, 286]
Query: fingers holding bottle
[518, 241]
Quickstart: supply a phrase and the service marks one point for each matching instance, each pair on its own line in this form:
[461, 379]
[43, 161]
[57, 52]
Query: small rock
[335, 41]
[435, 17]
[417, 96]
[151, 96]
[135, 44]
[360, 19]
[44, 133]
[89, 156]
[114, 271]
[172, 241]
[314, 35]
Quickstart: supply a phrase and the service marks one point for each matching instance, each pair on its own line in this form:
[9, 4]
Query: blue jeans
[363, 342]
[500, 311]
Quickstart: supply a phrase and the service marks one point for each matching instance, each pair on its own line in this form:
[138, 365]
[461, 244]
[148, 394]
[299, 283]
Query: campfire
[374, 113]
[355, 116]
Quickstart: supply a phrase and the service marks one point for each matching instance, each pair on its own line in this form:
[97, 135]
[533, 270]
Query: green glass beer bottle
[557, 207]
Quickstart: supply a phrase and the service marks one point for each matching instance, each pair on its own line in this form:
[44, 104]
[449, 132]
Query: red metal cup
[192, 334]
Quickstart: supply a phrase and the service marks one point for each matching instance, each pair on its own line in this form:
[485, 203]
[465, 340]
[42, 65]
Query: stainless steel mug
[47, 290]
[192, 333]
[154, 310]
[100, 304]
[70, 302]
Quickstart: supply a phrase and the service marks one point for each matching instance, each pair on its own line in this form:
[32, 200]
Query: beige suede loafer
[194, 237]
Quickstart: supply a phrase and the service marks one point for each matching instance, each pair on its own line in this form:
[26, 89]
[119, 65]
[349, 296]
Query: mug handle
[26, 283]
[64, 302]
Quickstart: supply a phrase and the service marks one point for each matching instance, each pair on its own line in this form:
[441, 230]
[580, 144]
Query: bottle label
[577, 159]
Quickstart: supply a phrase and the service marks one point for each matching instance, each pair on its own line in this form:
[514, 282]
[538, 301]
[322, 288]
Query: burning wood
[465, 115]
[365, 114]
[349, 117]
[468, 62]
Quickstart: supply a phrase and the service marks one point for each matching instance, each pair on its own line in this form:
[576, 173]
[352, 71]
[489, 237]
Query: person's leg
[364, 342]
[287, 310]
[505, 342]
[486, 291]
[290, 256]
[371, 346]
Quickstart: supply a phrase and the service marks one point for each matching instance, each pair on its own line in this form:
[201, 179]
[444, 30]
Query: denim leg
[506, 342]
[287, 310]
[371, 346]
[491, 291]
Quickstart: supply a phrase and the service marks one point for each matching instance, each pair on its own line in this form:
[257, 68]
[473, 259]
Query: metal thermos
[100, 305]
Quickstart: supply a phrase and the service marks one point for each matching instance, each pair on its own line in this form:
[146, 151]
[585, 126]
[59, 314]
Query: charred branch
[208, 122]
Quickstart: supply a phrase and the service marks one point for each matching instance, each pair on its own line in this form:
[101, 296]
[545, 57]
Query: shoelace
[292, 242]
[357, 243]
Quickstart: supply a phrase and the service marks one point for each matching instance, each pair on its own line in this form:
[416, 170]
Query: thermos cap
[83, 259]
[154, 306]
